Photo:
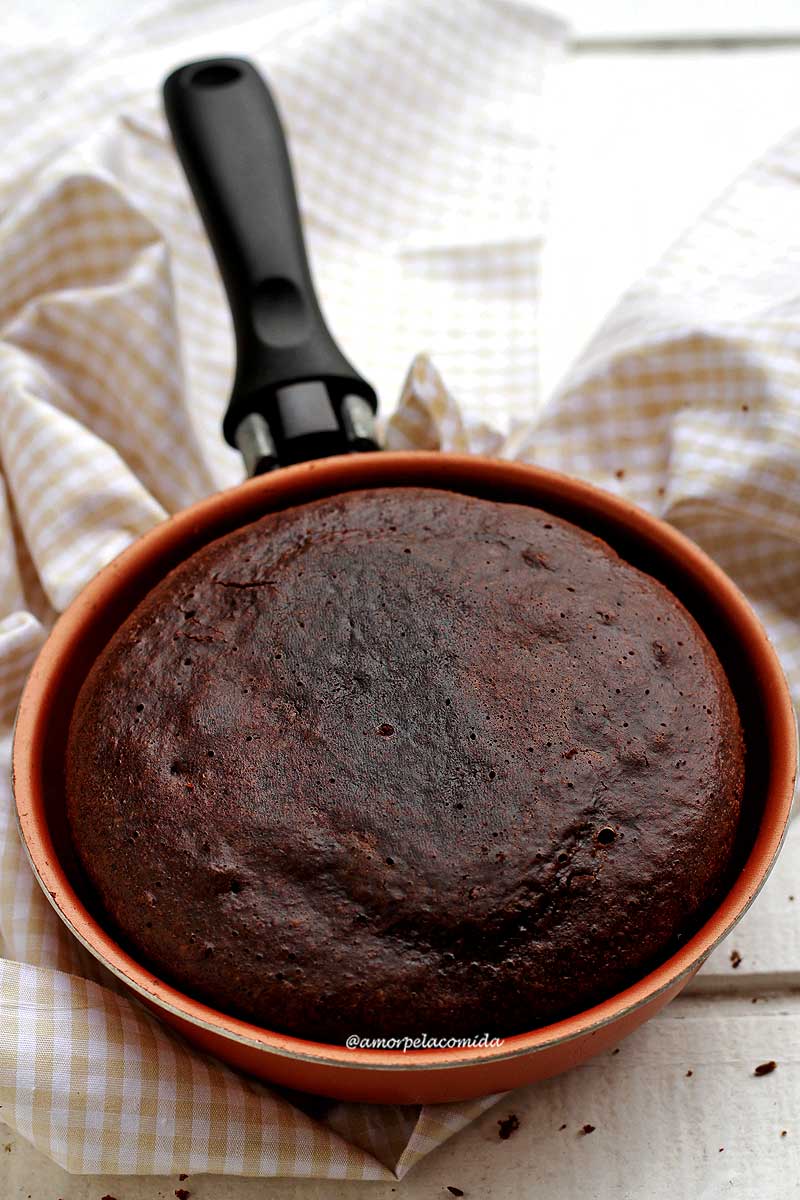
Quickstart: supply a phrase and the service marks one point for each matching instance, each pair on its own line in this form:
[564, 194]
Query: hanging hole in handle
[216, 76]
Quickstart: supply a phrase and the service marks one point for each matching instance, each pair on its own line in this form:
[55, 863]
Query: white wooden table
[659, 106]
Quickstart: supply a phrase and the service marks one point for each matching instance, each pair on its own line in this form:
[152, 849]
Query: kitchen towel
[419, 133]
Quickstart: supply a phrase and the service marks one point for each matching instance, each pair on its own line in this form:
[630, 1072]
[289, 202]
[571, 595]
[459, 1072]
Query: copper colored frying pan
[296, 400]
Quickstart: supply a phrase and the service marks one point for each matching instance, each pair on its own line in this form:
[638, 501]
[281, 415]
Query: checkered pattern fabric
[418, 131]
[417, 138]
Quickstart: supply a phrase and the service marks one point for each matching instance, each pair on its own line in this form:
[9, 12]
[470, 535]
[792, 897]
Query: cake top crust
[403, 760]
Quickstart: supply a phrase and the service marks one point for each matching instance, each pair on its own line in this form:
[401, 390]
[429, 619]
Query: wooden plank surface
[644, 144]
[680, 20]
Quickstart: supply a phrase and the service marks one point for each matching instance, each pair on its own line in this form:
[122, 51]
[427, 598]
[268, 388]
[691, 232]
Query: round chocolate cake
[404, 761]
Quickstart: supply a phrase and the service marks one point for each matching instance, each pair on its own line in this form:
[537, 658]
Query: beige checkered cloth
[417, 129]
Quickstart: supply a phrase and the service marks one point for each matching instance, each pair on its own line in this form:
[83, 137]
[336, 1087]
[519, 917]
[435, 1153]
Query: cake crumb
[620, 474]
[182, 1193]
[689, 1074]
[616, 1051]
[587, 1129]
[765, 1068]
[454, 1191]
[784, 1132]
[564, 1126]
[182, 1177]
[736, 959]
[508, 1125]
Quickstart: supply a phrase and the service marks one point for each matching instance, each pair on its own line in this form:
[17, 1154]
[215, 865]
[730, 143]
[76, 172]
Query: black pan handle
[295, 396]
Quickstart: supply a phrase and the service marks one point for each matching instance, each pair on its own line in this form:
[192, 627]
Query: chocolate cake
[405, 761]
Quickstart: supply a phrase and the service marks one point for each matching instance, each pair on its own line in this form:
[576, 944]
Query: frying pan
[298, 405]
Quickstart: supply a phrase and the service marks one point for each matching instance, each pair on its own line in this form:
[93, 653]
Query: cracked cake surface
[405, 761]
